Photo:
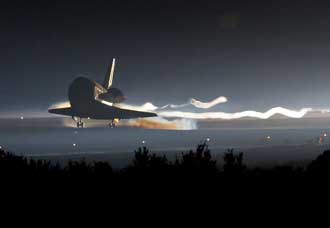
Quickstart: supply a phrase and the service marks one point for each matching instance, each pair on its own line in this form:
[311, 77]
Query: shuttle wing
[62, 111]
[102, 111]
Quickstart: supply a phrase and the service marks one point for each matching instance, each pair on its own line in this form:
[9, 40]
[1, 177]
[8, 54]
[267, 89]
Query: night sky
[259, 54]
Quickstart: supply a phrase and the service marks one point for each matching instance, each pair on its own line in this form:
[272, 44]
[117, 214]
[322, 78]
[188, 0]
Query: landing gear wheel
[112, 124]
[80, 124]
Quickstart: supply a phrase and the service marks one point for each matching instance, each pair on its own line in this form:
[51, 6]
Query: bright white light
[74, 144]
[106, 102]
[145, 107]
[143, 142]
[325, 135]
[194, 102]
[22, 117]
[206, 105]
[213, 115]
[207, 139]
[0, 147]
[268, 137]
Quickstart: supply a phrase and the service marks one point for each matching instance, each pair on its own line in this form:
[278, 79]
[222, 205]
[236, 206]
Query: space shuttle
[89, 99]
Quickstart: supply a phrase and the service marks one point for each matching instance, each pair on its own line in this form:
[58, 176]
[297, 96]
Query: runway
[275, 141]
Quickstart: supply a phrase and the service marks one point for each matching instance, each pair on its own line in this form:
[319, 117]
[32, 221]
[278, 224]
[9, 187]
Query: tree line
[196, 164]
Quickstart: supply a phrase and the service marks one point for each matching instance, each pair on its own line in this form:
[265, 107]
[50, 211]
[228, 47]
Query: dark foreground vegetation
[195, 165]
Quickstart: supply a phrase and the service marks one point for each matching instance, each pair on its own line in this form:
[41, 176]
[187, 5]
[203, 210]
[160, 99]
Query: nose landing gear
[114, 123]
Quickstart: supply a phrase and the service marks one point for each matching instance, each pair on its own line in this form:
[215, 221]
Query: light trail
[184, 120]
[229, 116]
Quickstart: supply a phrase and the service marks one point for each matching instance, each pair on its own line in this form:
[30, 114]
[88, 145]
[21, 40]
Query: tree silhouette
[145, 163]
[321, 165]
[199, 162]
[233, 163]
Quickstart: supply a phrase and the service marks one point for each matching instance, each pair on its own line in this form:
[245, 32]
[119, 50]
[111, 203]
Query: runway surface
[277, 141]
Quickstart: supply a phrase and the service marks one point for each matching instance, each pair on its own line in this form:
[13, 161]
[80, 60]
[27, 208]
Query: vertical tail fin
[109, 76]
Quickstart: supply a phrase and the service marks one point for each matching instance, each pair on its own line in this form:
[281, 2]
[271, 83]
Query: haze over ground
[291, 141]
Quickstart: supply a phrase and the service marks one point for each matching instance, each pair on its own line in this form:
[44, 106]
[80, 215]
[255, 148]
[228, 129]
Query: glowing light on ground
[160, 123]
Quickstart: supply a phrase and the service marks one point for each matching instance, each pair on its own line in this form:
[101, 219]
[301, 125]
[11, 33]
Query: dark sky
[259, 54]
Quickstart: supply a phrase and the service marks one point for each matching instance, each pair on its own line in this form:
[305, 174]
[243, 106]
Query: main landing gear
[114, 123]
[79, 122]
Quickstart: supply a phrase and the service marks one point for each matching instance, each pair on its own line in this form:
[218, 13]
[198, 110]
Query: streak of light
[148, 106]
[237, 115]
